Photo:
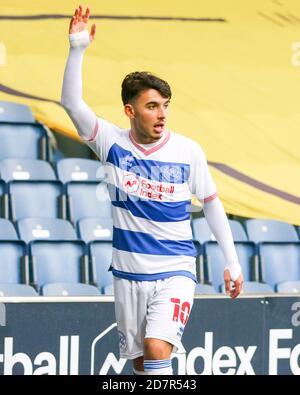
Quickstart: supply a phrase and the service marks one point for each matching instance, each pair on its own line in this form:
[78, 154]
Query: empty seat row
[270, 263]
[53, 289]
[20, 135]
[255, 230]
[48, 250]
[28, 229]
[31, 189]
[66, 170]
[50, 261]
[272, 255]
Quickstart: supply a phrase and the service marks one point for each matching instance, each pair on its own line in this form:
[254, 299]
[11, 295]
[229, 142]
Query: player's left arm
[219, 225]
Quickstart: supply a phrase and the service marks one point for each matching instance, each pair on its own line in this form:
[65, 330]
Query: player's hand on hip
[79, 22]
[235, 289]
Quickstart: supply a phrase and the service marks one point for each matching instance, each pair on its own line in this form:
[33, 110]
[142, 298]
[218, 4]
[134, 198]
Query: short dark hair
[138, 81]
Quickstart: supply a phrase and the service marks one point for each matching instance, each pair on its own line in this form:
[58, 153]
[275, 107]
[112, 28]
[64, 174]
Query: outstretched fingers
[86, 16]
[80, 14]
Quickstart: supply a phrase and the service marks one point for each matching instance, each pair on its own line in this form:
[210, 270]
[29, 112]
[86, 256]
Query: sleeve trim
[95, 132]
[210, 198]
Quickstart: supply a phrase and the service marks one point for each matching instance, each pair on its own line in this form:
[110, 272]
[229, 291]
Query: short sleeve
[201, 182]
[104, 136]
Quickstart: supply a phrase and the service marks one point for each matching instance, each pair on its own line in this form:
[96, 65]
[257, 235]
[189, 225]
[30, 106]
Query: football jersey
[150, 188]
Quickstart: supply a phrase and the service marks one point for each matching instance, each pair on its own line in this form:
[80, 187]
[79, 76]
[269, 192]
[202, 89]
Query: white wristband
[81, 39]
[234, 270]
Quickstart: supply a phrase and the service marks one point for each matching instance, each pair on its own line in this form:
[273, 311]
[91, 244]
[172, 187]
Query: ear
[129, 111]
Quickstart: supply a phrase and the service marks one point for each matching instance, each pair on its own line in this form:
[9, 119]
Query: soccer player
[153, 174]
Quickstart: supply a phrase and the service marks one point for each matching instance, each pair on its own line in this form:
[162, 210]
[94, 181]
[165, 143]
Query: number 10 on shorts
[181, 311]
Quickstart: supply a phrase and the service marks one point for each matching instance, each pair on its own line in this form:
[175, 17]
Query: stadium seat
[15, 112]
[69, 289]
[260, 230]
[45, 229]
[88, 199]
[7, 230]
[23, 140]
[78, 169]
[215, 262]
[26, 169]
[204, 289]
[90, 229]
[253, 287]
[58, 261]
[14, 267]
[36, 199]
[202, 232]
[17, 290]
[100, 258]
[288, 287]
[279, 262]
[33, 189]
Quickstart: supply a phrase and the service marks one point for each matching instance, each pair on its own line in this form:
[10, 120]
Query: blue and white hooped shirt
[151, 189]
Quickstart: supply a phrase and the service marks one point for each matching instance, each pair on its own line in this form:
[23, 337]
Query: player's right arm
[82, 116]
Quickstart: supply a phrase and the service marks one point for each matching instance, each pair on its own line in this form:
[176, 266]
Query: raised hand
[79, 22]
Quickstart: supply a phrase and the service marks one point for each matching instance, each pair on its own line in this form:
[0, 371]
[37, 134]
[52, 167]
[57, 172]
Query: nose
[162, 113]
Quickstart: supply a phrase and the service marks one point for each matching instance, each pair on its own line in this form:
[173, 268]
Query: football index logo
[131, 183]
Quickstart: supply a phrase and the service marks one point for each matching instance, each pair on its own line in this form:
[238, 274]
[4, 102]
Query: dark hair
[138, 81]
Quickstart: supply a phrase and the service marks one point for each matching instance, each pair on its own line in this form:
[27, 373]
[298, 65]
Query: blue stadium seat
[205, 289]
[36, 199]
[7, 230]
[215, 262]
[15, 112]
[88, 199]
[101, 258]
[58, 261]
[23, 140]
[90, 229]
[202, 232]
[288, 287]
[253, 287]
[260, 230]
[69, 289]
[279, 262]
[45, 229]
[78, 169]
[14, 266]
[17, 290]
[26, 169]
[33, 189]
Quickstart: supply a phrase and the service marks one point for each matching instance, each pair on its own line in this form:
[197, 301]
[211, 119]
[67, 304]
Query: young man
[154, 173]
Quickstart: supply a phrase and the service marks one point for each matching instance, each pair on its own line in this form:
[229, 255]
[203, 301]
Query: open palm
[79, 22]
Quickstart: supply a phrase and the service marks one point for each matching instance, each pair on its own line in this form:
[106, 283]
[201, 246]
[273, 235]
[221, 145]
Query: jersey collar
[149, 151]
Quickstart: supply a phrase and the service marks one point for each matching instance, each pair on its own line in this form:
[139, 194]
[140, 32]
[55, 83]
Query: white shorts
[152, 309]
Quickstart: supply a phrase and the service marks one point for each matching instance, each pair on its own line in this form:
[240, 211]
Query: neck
[142, 139]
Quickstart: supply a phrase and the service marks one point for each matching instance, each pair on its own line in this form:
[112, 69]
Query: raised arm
[82, 116]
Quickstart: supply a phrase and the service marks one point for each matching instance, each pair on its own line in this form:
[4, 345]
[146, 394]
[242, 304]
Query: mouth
[159, 127]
